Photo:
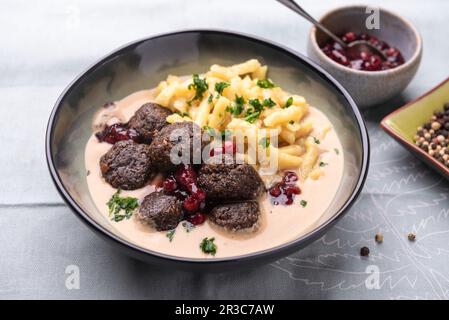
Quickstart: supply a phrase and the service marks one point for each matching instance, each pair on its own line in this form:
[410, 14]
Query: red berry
[327, 49]
[340, 57]
[191, 204]
[192, 196]
[395, 58]
[285, 191]
[291, 190]
[170, 185]
[365, 56]
[196, 219]
[275, 191]
[374, 63]
[200, 195]
[391, 52]
[290, 177]
[373, 40]
[117, 132]
[349, 37]
[186, 176]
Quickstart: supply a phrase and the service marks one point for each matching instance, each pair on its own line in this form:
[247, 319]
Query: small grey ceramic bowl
[369, 88]
[141, 65]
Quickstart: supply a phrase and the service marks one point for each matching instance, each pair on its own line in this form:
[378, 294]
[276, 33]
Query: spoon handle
[292, 5]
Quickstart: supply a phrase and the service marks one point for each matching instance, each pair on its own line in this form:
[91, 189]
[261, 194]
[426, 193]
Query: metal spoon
[353, 49]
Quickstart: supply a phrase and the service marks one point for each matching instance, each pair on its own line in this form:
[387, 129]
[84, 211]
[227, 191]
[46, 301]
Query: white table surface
[45, 45]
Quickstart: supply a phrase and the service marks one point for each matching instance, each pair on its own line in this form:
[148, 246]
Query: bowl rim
[287, 247]
[408, 63]
[411, 146]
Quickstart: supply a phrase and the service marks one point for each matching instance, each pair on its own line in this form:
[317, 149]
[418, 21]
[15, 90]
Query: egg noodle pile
[242, 103]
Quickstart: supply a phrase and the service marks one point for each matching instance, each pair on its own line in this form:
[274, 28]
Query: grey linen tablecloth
[44, 47]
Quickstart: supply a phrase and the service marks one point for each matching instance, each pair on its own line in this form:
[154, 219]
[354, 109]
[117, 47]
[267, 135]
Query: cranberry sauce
[117, 132]
[363, 60]
[284, 192]
[182, 184]
[196, 219]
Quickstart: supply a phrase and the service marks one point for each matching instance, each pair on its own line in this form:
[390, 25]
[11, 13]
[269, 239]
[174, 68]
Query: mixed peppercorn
[433, 136]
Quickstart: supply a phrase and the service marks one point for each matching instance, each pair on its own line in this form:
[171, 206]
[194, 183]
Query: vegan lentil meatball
[175, 136]
[161, 211]
[126, 165]
[228, 181]
[148, 120]
[236, 216]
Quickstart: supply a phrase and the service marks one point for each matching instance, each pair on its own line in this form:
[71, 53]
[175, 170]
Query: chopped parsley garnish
[121, 207]
[303, 203]
[289, 102]
[200, 86]
[266, 84]
[317, 141]
[220, 86]
[251, 117]
[337, 151]
[211, 97]
[188, 226]
[252, 114]
[323, 164]
[264, 142]
[237, 108]
[170, 234]
[268, 103]
[259, 106]
[208, 246]
[255, 103]
[239, 100]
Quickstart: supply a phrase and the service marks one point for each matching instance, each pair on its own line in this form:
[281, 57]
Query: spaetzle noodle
[241, 97]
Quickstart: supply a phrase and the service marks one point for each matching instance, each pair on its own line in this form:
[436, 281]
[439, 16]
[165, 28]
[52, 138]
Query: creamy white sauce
[279, 224]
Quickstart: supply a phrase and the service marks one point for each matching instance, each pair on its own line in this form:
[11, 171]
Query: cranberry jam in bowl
[364, 60]
[370, 78]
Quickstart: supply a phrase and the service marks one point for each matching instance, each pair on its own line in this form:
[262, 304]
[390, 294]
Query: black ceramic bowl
[141, 65]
